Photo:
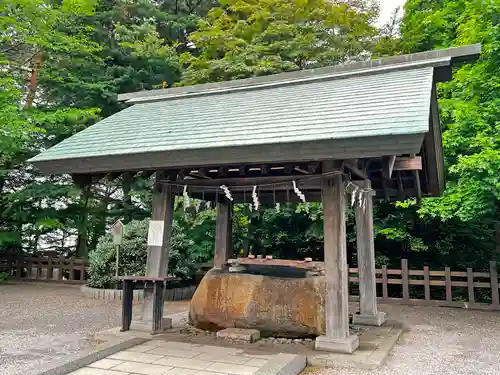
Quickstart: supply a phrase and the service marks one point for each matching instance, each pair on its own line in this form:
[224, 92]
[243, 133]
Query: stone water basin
[277, 300]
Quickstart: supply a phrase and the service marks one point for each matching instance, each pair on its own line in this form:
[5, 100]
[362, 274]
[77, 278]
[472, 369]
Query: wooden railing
[465, 289]
[469, 289]
[48, 268]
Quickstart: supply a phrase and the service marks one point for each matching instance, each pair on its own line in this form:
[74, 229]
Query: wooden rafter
[352, 165]
[388, 166]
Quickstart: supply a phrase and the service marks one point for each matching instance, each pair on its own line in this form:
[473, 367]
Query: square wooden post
[368, 312]
[223, 233]
[159, 235]
[338, 338]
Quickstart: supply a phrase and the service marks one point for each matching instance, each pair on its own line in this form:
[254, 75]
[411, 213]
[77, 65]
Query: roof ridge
[445, 61]
[449, 55]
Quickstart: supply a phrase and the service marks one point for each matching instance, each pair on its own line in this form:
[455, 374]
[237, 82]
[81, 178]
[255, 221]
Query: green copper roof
[389, 103]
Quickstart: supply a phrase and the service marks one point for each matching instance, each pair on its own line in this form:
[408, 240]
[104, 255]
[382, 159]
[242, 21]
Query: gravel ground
[43, 322]
[439, 341]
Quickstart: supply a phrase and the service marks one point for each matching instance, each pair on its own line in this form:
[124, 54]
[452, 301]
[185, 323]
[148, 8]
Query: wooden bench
[158, 284]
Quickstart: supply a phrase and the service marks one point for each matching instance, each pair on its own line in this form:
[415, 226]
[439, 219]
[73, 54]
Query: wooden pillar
[337, 337]
[368, 312]
[159, 235]
[223, 233]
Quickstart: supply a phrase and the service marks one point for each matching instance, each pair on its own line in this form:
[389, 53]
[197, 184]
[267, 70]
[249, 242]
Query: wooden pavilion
[369, 126]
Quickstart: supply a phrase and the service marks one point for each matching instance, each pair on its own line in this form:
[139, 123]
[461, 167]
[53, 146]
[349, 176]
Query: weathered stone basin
[276, 300]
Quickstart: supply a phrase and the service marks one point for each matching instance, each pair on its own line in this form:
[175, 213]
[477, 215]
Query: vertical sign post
[117, 230]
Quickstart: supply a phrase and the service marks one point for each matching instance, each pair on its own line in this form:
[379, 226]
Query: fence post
[385, 292]
[404, 279]
[50, 269]
[19, 270]
[71, 268]
[60, 273]
[470, 285]
[82, 271]
[494, 283]
[427, 284]
[29, 268]
[447, 282]
[9, 264]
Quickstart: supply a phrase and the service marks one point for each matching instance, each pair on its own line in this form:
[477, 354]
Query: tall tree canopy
[34, 32]
[63, 62]
[240, 39]
[470, 108]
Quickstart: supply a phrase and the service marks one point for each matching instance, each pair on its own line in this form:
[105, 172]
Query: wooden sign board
[117, 230]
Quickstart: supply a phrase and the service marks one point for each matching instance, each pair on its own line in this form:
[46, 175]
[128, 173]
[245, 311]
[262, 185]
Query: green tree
[470, 108]
[241, 39]
[28, 38]
[62, 79]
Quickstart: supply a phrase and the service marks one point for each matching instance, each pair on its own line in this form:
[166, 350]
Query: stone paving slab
[158, 357]
[374, 348]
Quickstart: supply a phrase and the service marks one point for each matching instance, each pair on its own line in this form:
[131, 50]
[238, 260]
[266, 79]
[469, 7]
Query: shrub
[4, 276]
[133, 255]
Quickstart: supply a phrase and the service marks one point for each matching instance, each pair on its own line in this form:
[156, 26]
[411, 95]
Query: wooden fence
[465, 289]
[473, 290]
[47, 268]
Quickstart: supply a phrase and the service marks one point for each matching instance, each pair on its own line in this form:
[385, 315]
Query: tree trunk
[33, 81]
[102, 212]
[127, 198]
[83, 231]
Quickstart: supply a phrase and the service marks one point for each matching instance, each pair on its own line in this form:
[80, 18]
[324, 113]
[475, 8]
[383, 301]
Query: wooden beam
[81, 180]
[401, 193]
[368, 312]
[114, 175]
[416, 174]
[335, 252]
[408, 164]
[313, 167]
[203, 173]
[246, 181]
[387, 196]
[222, 171]
[223, 240]
[264, 170]
[352, 165]
[303, 171]
[196, 174]
[159, 237]
[388, 166]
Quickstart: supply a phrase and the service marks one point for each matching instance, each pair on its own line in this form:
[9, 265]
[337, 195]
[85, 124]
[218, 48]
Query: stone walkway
[158, 357]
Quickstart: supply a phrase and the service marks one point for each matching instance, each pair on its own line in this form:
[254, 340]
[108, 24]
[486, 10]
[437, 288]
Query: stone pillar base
[147, 325]
[369, 320]
[328, 344]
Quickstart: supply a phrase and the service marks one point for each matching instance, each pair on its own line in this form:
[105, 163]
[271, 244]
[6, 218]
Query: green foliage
[57, 80]
[4, 276]
[133, 255]
[293, 232]
[470, 104]
[240, 39]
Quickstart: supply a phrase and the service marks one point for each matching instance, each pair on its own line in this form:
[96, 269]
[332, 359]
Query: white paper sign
[155, 233]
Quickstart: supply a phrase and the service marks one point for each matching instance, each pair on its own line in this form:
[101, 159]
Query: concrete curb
[283, 364]
[176, 294]
[65, 366]
[109, 294]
